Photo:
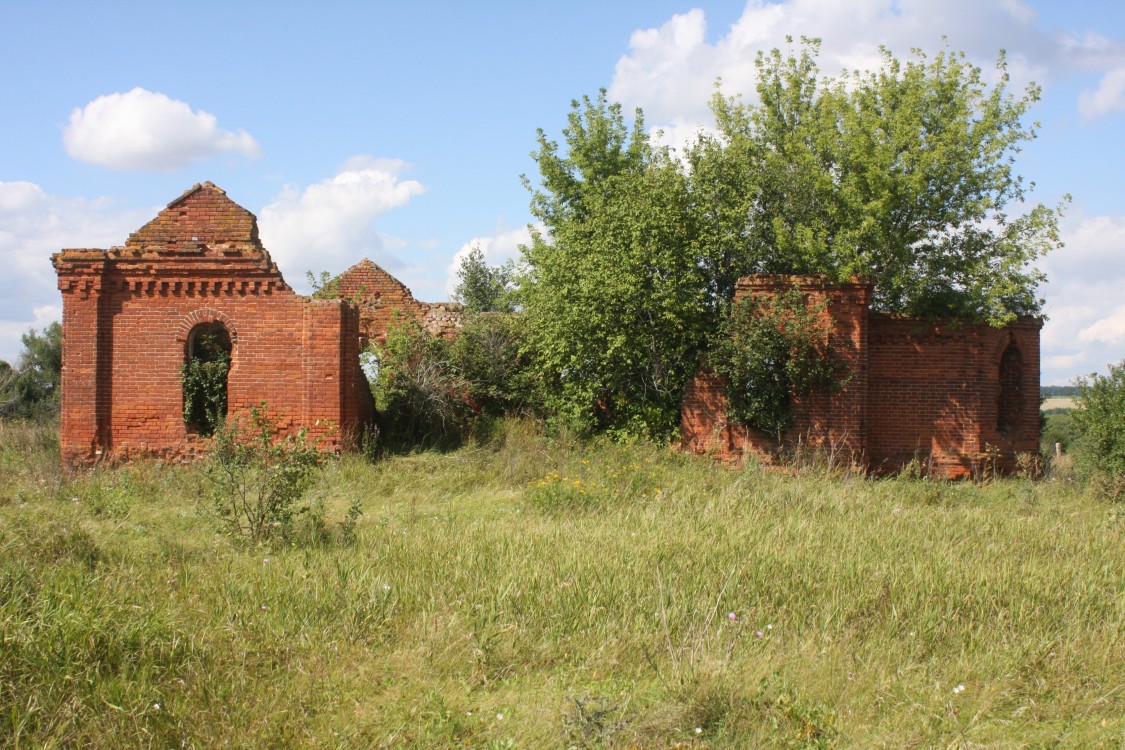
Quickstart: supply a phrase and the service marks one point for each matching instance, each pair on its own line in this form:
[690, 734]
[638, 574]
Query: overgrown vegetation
[204, 380]
[903, 176]
[685, 605]
[1100, 417]
[420, 398]
[257, 481]
[771, 349]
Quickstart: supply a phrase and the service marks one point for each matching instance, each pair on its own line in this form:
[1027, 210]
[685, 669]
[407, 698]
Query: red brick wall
[935, 394]
[834, 422]
[380, 297]
[916, 390]
[128, 313]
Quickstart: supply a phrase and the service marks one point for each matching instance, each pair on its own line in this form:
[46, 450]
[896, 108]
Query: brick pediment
[202, 221]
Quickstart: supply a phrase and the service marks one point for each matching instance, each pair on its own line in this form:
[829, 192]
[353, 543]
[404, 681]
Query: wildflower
[264, 608]
[699, 730]
[732, 616]
[499, 717]
[265, 561]
[958, 689]
[759, 633]
[769, 626]
[155, 706]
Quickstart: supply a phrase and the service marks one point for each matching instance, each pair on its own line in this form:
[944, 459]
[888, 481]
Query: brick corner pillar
[323, 349]
[87, 343]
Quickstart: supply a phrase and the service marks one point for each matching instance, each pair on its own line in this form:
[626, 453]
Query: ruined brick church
[948, 395]
[133, 315]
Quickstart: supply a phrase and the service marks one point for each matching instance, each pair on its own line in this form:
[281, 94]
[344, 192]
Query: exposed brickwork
[380, 297]
[128, 313]
[956, 397]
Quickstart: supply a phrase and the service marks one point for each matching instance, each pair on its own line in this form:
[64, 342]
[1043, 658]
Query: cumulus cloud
[670, 70]
[331, 224]
[34, 224]
[1085, 329]
[1108, 97]
[497, 248]
[147, 130]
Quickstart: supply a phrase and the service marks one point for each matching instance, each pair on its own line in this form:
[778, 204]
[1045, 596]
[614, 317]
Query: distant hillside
[1050, 391]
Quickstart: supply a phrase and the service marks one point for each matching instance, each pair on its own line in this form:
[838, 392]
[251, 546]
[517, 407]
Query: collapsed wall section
[956, 397]
[833, 422]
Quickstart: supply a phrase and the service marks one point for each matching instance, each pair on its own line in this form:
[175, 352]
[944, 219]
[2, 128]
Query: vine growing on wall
[769, 350]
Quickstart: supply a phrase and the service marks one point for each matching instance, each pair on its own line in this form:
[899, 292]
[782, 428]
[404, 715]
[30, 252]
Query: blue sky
[399, 131]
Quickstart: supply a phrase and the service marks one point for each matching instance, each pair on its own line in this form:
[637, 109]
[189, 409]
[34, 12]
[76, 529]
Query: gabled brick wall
[381, 297]
[941, 393]
[128, 313]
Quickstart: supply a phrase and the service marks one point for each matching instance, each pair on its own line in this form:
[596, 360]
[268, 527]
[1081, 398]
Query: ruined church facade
[132, 315]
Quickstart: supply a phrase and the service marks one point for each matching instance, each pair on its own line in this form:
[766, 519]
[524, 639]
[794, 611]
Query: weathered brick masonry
[957, 397]
[129, 315]
[953, 396]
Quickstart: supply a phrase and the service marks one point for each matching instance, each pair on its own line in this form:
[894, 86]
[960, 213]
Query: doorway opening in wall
[204, 377]
[1011, 390]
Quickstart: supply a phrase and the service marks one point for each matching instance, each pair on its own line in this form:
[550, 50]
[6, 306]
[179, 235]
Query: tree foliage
[772, 348]
[30, 390]
[484, 288]
[420, 399]
[616, 300]
[903, 175]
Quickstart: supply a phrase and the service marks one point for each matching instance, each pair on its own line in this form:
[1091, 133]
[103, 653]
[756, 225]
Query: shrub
[491, 355]
[420, 398]
[259, 479]
[1101, 418]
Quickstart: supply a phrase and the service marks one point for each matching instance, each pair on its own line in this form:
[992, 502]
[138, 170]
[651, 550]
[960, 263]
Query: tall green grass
[530, 591]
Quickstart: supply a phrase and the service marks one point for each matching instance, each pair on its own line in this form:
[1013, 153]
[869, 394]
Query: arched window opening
[204, 377]
[1011, 390]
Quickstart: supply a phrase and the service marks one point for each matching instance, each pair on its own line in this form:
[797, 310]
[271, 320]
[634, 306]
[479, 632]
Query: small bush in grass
[258, 479]
[1101, 418]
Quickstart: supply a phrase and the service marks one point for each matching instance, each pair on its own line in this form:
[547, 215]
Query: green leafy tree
[1100, 416]
[903, 175]
[484, 288]
[31, 389]
[615, 296]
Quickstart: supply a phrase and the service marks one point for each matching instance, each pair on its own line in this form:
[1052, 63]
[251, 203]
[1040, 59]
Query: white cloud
[1107, 330]
[670, 70]
[1085, 329]
[497, 248]
[147, 130]
[1108, 97]
[331, 224]
[34, 224]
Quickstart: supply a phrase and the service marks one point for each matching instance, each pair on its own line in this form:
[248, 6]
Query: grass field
[537, 592]
[1058, 402]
